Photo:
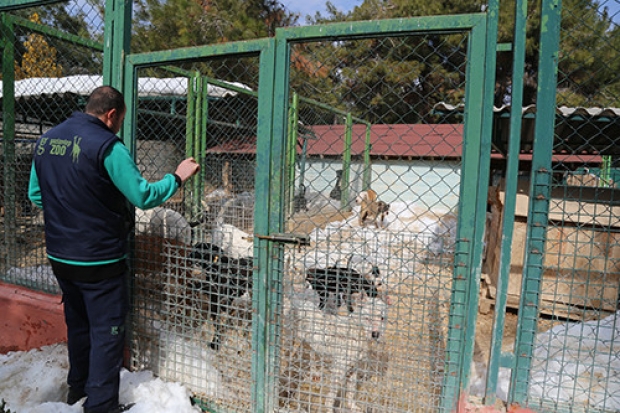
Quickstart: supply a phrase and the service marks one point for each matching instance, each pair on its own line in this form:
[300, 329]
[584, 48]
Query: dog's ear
[361, 197]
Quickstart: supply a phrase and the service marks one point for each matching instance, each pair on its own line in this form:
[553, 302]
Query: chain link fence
[377, 177]
[574, 354]
[56, 66]
[371, 190]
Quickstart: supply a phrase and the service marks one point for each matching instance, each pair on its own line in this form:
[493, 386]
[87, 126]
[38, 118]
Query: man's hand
[186, 169]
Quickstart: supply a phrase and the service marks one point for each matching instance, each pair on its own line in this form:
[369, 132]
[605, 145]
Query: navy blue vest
[86, 216]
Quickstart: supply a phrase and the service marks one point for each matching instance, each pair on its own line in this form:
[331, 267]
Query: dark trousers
[95, 315]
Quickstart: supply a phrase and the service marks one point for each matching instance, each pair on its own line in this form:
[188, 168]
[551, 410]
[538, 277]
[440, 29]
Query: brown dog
[371, 209]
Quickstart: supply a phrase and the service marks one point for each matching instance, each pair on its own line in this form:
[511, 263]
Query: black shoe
[118, 409]
[122, 408]
[75, 396]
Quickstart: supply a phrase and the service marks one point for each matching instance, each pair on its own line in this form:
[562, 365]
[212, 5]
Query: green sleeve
[128, 179]
[34, 190]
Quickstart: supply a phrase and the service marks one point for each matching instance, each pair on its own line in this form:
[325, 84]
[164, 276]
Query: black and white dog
[343, 282]
[227, 279]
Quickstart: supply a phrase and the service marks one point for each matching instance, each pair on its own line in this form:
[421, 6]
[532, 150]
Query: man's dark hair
[103, 99]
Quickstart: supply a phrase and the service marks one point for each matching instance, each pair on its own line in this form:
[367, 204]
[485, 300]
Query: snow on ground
[569, 366]
[35, 382]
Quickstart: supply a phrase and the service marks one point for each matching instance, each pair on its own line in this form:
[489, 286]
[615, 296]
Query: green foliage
[39, 59]
[589, 60]
[589, 56]
[171, 24]
[70, 58]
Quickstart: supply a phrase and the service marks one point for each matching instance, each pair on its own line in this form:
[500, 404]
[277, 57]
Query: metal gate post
[510, 191]
[486, 131]
[539, 199]
[466, 282]
[270, 161]
[8, 128]
[117, 35]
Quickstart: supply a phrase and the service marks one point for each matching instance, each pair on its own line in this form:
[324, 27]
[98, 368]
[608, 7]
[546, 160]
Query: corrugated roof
[578, 130]
[84, 85]
[398, 141]
[530, 109]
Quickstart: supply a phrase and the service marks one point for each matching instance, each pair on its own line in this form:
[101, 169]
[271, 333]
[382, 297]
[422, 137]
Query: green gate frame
[264, 49]
[475, 173]
[540, 195]
[119, 71]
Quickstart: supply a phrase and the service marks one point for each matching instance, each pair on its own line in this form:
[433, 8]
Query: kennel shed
[581, 261]
[582, 256]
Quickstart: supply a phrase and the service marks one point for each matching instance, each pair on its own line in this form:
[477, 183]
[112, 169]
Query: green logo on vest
[75, 151]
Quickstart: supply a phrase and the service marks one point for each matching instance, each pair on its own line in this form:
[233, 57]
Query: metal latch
[297, 239]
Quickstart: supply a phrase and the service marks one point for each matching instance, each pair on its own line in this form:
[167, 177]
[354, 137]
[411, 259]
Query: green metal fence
[571, 272]
[491, 249]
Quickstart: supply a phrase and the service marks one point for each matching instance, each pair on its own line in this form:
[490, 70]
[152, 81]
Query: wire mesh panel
[57, 61]
[574, 343]
[374, 184]
[194, 255]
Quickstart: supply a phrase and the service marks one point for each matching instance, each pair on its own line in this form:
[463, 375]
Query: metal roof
[564, 111]
[397, 140]
[578, 130]
[83, 85]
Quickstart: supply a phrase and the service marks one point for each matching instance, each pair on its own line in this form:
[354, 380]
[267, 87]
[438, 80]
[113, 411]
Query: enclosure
[465, 213]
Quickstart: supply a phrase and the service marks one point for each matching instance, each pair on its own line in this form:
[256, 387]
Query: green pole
[367, 177]
[8, 129]
[605, 173]
[193, 122]
[291, 150]
[346, 163]
[192, 86]
[512, 172]
[201, 146]
[117, 35]
[540, 191]
[459, 342]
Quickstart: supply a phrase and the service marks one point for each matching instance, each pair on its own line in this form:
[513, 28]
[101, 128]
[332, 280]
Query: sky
[613, 8]
[310, 7]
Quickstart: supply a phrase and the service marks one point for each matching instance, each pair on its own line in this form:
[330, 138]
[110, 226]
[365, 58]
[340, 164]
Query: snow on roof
[561, 110]
[85, 84]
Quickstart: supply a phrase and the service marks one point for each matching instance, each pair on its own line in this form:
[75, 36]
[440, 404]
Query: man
[83, 176]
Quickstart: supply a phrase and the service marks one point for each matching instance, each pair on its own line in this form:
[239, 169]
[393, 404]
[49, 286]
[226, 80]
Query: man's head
[107, 104]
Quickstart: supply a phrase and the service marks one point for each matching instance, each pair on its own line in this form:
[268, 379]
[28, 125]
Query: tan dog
[371, 209]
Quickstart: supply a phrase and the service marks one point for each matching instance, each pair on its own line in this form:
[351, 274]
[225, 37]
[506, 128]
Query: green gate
[291, 132]
[252, 160]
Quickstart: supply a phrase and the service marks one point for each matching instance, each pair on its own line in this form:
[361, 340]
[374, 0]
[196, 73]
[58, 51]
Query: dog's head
[383, 207]
[204, 254]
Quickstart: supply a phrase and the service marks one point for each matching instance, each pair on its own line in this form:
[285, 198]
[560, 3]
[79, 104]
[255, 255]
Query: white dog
[344, 340]
[163, 222]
